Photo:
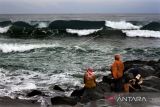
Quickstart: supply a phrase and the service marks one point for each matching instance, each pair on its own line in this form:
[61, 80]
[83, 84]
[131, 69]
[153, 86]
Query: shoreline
[150, 70]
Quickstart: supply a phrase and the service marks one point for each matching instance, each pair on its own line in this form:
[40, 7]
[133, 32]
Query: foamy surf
[42, 25]
[7, 48]
[83, 32]
[4, 29]
[142, 33]
[121, 25]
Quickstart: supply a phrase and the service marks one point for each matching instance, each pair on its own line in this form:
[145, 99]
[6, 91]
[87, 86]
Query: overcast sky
[79, 6]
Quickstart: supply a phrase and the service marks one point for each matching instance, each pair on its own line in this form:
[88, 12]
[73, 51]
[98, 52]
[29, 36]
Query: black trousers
[118, 85]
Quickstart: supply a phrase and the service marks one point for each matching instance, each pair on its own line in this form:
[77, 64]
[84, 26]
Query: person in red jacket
[117, 69]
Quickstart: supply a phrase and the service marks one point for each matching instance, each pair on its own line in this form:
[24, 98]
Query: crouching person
[132, 82]
[90, 85]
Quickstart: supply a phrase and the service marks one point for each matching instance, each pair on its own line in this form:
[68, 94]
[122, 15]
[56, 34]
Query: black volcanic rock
[34, 92]
[58, 88]
[152, 81]
[78, 92]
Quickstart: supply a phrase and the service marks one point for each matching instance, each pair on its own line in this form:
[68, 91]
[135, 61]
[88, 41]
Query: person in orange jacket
[117, 70]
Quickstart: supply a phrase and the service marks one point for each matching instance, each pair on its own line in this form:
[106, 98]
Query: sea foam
[121, 25]
[82, 32]
[4, 29]
[142, 33]
[42, 25]
[6, 48]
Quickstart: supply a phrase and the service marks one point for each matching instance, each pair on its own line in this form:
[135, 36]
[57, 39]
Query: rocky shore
[150, 71]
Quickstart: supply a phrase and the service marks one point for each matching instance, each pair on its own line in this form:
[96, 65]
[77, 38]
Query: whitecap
[42, 25]
[4, 29]
[142, 33]
[121, 25]
[82, 32]
[6, 48]
[25, 86]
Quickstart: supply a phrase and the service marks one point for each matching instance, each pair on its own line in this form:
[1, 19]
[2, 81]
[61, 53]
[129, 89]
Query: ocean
[40, 63]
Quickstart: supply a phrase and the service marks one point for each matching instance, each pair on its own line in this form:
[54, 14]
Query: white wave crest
[142, 33]
[121, 25]
[6, 48]
[82, 32]
[4, 29]
[42, 25]
[26, 86]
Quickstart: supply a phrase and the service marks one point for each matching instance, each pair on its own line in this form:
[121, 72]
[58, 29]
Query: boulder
[56, 87]
[107, 79]
[146, 71]
[131, 64]
[34, 92]
[78, 92]
[147, 68]
[152, 82]
[101, 89]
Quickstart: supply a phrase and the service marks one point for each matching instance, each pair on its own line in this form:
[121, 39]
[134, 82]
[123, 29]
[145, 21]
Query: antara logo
[131, 99]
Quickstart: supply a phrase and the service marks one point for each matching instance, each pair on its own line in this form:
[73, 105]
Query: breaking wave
[142, 33]
[121, 25]
[46, 29]
[4, 29]
[42, 25]
[152, 26]
[82, 32]
[7, 48]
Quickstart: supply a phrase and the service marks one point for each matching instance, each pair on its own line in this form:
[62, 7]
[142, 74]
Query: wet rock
[152, 81]
[147, 68]
[148, 89]
[103, 87]
[62, 100]
[146, 71]
[56, 87]
[78, 92]
[131, 64]
[107, 79]
[34, 92]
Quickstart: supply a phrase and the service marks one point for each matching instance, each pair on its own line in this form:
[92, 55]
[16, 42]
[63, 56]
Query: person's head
[89, 70]
[117, 57]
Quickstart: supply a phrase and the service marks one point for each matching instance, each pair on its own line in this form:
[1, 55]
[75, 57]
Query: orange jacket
[117, 69]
